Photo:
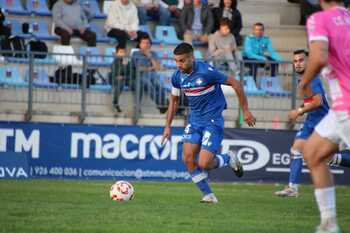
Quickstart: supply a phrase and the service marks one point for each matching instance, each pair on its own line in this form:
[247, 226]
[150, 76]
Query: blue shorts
[305, 132]
[208, 136]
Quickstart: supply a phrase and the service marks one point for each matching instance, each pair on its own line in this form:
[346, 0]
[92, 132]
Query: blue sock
[296, 166]
[342, 158]
[199, 177]
[221, 160]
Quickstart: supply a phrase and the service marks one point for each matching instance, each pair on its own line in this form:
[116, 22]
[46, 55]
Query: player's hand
[166, 134]
[293, 115]
[249, 118]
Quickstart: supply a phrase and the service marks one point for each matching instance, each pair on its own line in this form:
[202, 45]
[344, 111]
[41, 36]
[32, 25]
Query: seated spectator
[122, 22]
[223, 47]
[196, 22]
[228, 9]
[5, 31]
[146, 61]
[160, 10]
[256, 48]
[122, 74]
[70, 20]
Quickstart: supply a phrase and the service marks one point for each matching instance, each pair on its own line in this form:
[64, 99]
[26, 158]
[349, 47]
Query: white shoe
[328, 227]
[235, 164]
[287, 192]
[209, 198]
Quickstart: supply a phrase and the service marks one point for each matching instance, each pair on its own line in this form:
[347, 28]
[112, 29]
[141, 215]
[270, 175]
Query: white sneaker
[209, 198]
[287, 192]
[328, 227]
[235, 164]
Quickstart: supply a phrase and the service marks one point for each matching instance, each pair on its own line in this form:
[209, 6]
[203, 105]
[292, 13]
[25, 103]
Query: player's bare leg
[317, 151]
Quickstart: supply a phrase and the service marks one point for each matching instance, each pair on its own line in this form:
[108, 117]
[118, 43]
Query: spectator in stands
[122, 74]
[70, 20]
[146, 61]
[307, 8]
[258, 47]
[122, 22]
[51, 3]
[223, 47]
[228, 9]
[196, 22]
[161, 10]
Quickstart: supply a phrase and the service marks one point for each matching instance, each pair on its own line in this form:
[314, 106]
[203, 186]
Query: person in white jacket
[122, 22]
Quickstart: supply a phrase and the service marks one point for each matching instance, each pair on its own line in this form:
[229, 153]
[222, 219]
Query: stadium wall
[74, 151]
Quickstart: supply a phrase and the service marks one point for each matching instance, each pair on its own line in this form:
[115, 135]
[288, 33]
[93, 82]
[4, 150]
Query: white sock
[294, 186]
[325, 198]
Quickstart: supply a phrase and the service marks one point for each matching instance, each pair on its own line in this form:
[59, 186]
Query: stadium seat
[273, 87]
[16, 28]
[40, 30]
[101, 87]
[13, 7]
[94, 58]
[145, 28]
[100, 34]
[249, 87]
[40, 79]
[64, 55]
[93, 7]
[38, 7]
[109, 55]
[11, 76]
[167, 35]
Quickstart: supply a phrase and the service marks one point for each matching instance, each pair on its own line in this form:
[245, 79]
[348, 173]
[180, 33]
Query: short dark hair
[143, 36]
[183, 48]
[259, 24]
[300, 51]
[225, 22]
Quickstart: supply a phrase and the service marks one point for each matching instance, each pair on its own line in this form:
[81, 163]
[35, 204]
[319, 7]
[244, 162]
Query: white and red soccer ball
[121, 191]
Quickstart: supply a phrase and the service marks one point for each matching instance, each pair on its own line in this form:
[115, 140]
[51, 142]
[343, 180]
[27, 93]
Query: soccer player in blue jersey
[316, 108]
[202, 137]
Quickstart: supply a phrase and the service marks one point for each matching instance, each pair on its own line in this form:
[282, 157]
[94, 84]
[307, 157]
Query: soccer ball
[121, 191]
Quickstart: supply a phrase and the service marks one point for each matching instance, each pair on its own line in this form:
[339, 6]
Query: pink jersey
[333, 26]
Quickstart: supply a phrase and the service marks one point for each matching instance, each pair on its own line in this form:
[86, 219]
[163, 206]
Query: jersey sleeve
[316, 86]
[175, 89]
[317, 28]
[215, 76]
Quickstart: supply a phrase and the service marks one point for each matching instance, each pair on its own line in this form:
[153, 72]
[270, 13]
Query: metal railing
[90, 85]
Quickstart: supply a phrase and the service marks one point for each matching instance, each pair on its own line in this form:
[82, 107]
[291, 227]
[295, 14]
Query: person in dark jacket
[228, 9]
[196, 22]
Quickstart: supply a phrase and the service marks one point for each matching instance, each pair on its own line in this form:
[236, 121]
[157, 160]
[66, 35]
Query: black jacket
[187, 15]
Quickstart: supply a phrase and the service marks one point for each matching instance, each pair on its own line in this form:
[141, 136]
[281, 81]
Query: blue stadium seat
[167, 35]
[145, 28]
[11, 76]
[273, 87]
[109, 55]
[95, 58]
[16, 28]
[40, 30]
[13, 7]
[38, 7]
[100, 33]
[250, 87]
[93, 7]
[40, 79]
[101, 87]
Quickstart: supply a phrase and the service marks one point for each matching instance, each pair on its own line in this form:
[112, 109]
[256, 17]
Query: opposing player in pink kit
[329, 42]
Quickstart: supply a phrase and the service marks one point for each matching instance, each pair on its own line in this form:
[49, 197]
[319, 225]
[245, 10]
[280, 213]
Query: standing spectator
[223, 47]
[228, 9]
[160, 10]
[122, 22]
[196, 22]
[122, 74]
[70, 20]
[256, 48]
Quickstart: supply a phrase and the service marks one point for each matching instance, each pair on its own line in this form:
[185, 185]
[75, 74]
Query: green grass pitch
[84, 206]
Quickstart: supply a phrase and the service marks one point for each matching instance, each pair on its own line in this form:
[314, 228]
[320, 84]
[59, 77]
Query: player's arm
[236, 85]
[174, 98]
[314, 103]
